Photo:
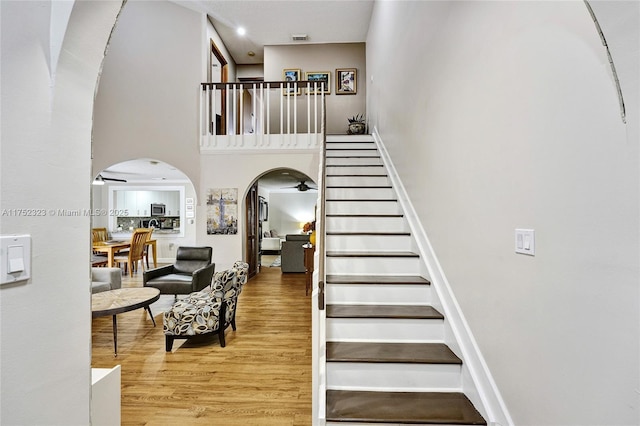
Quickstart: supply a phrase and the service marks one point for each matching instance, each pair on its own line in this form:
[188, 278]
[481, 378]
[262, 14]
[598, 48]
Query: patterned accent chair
[206, 312]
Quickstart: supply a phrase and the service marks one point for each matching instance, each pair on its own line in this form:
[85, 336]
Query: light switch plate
[15, 255]
[526, 241]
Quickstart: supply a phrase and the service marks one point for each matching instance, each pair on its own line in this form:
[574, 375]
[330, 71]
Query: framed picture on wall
[320, 76]
[291, 75]
[346, 81]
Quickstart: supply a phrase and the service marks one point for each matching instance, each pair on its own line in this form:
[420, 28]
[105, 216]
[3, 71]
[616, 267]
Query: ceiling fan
[303, 187]
[100, 180]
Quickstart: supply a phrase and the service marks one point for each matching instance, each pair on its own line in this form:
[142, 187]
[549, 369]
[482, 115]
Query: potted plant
[357, 125]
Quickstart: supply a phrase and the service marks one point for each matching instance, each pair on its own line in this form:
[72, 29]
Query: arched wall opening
[279, 201]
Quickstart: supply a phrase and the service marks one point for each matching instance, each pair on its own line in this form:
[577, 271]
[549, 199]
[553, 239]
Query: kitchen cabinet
[138, 203]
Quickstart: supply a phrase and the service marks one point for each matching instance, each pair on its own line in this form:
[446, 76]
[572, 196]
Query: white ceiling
[145, 170]
[273, 22]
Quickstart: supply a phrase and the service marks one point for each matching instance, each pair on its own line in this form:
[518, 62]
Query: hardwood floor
[261, 377]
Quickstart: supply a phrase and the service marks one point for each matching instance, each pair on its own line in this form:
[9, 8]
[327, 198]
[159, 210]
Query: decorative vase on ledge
[356, 128]
[357, 125]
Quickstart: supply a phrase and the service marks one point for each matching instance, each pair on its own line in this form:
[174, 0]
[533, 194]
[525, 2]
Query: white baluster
[295, 109]
[308, 109]
[228, 112]
[282, 109]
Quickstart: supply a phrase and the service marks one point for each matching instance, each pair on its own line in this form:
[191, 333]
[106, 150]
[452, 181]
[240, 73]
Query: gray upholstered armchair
[292, 253]
[105, 279]
[192, 272]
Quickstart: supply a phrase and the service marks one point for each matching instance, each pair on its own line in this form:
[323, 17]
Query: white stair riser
[364, 224]
[378, 294]
[356, 170]
[362, 181]
[394, 377]
[349, 138]
[353, 153]
[332, 161]
[385, 330]
[349, 145]
[360, 193]
[362, 207]
[373, 265]
[368, 242]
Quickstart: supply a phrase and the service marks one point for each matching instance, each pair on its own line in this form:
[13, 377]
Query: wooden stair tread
[351, 149]
[364, 215]
[401, 407]
[355, 165]
[379, 234]
[377, 279]
[371, 254]
[353, 156]
[355, 175]
[360, 186]
[406, 353]
[383, 311]
[394, 200]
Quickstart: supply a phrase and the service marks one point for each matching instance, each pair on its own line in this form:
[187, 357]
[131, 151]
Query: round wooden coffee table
[121, 300]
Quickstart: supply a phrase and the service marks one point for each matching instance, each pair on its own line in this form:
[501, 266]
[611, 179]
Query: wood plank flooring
[262, 376]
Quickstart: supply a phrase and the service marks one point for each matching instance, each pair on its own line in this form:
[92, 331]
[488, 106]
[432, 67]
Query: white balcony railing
[262, 115]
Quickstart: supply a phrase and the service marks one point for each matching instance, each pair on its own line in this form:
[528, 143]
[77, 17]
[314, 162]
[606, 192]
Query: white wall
[321, 57]
[511, 121]
[288, 209]
[147, 102]
[45, 164]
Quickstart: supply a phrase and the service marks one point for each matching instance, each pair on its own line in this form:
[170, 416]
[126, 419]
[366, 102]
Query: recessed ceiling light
[241, 31]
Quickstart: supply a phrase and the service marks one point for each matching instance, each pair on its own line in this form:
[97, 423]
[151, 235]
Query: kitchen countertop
[156, 232]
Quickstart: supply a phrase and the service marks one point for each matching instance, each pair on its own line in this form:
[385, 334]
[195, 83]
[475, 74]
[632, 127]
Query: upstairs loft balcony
[259, 116]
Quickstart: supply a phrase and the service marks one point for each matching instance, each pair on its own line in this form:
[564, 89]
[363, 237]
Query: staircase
[386, 361]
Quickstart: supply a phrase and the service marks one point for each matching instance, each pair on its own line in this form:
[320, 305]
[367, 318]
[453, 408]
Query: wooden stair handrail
[267, 84]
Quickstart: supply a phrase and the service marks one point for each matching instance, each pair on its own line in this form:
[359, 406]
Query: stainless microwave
[158, 209]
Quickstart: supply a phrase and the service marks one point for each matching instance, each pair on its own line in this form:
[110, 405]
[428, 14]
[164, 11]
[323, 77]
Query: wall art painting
[222, 211]
[346, 81]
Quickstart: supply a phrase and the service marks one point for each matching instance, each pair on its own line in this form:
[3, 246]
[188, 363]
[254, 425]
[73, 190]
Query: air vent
[299, 37]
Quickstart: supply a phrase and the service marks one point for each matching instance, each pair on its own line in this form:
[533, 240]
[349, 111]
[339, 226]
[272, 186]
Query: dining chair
[146, 247]
[97, 235]
[136, 250]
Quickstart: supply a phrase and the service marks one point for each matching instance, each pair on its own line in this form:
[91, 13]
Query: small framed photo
[291, 75]
[324, 76]
[346, 81]
[188, 201]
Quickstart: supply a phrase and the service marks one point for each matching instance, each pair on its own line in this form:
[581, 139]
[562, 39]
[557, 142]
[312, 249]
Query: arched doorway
[279, 202]
[145, 193]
